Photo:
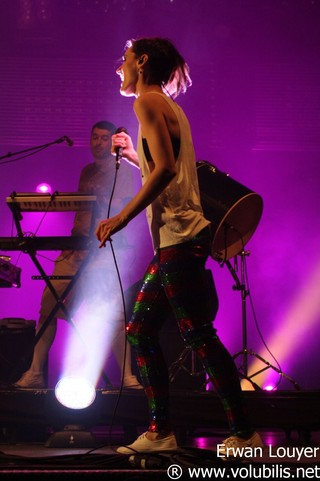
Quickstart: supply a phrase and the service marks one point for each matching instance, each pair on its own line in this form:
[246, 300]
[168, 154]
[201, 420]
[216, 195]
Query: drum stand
[240, 285]
[180, 364]
[188, 359]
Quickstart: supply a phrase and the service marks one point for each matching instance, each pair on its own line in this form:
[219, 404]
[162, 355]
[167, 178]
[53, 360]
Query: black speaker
[16, 347]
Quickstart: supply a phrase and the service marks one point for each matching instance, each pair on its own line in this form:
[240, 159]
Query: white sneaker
[30, 380]
[235, 447]
[144, 445]
[131, 382]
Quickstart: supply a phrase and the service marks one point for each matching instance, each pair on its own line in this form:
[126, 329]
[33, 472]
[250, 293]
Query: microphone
[65, 139]
[118, 150]
[68, 141]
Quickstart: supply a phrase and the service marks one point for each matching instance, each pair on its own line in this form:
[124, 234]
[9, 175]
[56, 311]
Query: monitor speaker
[16, 347]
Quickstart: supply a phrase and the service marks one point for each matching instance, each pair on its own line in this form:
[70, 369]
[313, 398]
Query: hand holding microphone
[122, 146]
[119, 143]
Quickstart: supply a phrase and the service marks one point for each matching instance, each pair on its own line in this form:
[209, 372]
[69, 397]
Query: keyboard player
[97, 286]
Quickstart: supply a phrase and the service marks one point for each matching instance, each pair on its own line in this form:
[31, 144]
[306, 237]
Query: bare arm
[155, 130]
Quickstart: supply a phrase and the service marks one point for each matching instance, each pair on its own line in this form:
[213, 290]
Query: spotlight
[269, 387]
[75, 392]
[43, 188]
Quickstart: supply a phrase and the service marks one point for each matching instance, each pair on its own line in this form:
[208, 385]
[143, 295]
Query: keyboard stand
[14, 206]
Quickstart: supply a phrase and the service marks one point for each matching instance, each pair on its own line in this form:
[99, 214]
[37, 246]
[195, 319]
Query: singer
[155, 73]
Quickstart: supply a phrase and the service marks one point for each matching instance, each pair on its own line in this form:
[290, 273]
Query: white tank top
[176, 215]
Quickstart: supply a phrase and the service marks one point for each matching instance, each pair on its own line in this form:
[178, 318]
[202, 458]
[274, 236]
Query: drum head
[233, 209]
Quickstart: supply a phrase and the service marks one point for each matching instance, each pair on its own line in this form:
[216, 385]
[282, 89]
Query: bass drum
[233, 209]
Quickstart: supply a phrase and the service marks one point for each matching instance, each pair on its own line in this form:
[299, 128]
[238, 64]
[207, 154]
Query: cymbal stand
[240, 285]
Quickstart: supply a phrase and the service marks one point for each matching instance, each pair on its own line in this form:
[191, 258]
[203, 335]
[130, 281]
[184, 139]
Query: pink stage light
[269, 387]
[43, 188]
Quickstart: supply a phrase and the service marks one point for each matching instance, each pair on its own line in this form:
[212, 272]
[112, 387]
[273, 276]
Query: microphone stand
[240, 285]
[31, 149]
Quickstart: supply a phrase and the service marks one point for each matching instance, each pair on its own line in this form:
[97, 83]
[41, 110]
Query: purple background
[254, 109]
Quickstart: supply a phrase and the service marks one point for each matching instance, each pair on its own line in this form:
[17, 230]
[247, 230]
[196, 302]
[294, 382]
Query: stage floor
[39, 437]
[282, 457]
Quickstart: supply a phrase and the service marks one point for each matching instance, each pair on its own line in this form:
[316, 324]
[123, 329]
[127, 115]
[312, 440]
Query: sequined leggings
[176, 280]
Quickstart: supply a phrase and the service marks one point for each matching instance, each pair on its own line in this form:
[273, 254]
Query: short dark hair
[165, 67]
[105, 125]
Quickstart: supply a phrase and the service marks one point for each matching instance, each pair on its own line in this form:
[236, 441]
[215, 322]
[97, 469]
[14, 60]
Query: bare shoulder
[150, 104]
[149, 100]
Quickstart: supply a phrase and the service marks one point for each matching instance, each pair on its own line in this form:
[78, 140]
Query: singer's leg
[150, 311]
[186, 283]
